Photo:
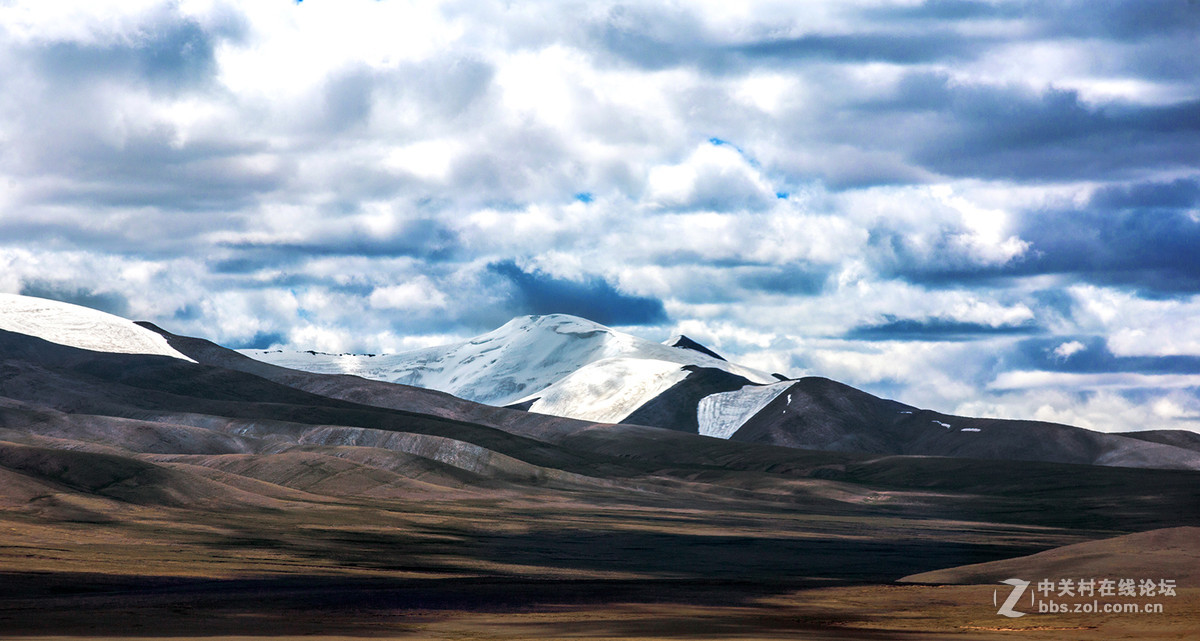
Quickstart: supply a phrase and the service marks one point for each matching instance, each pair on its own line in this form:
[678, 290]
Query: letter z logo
[1019, 588]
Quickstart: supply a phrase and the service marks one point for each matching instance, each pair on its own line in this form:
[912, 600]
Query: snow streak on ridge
[720, 415]
[609, 390]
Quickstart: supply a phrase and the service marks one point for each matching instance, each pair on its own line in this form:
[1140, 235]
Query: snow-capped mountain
[570, 367]
[68, 358]
[554, 364]
[81, 327]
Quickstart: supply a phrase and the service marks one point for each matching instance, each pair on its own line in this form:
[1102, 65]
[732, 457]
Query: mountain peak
[559, 323]
[561, 363]
[683, 342]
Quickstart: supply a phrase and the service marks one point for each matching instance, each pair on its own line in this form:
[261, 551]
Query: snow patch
[80, 327]
[945, 425]
[969, 429]
[721, 414]
[608, 390]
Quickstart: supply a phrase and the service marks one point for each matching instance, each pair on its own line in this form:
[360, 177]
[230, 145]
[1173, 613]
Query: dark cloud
[150, 171]
[1112, 20]
[111, 302]
[1142, 236]
[437, 92]
[261, 340]
[1158, 36]
[593, 298]
[189, 312]
[731, 281]
[353, 285]
[1055, 303]
[293, 279]
[793, 279]
[77, 141]
[897, 48]
[1182, 193]
[1011, 133]
[934, 329]
[426, 238]
[943, 10]
[249, 260]
[168, 53]
[1094, 358]
[68, 159]
[652, 39]
[1122, 20]
[935, 255]
[942, 123]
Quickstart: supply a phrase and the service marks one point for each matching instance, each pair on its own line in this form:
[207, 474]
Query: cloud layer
[983, 207]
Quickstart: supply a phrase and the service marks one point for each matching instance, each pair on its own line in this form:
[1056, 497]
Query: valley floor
[518, 567]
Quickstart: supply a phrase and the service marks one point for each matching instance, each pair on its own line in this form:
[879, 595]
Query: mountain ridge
[571, 363]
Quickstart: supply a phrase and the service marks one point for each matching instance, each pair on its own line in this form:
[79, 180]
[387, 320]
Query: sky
[982, 208]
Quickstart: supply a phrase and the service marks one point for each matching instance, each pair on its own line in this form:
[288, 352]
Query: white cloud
[769, 92]
[294, 46]
[1136, 326]
[89, 22]
[419, 294]
[335, 157]
[1068, 349]
[714, 176]
[1104, 410]
[986, 236]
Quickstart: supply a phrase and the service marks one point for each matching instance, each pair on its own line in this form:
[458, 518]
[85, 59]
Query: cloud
[936, 329]
[1139, 236]
[716, 177]
[655, 38]
[261, 340]
[900, 48]
[418, 295]
[111, 302]
[1130, 236]
[172, 53]
[1091, 355]
[1013, 132]
[917, 198]
[1068, 349]
[795, 279]
[1104, 409]
[387, 235]
[592, 298]
[1181, 193]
